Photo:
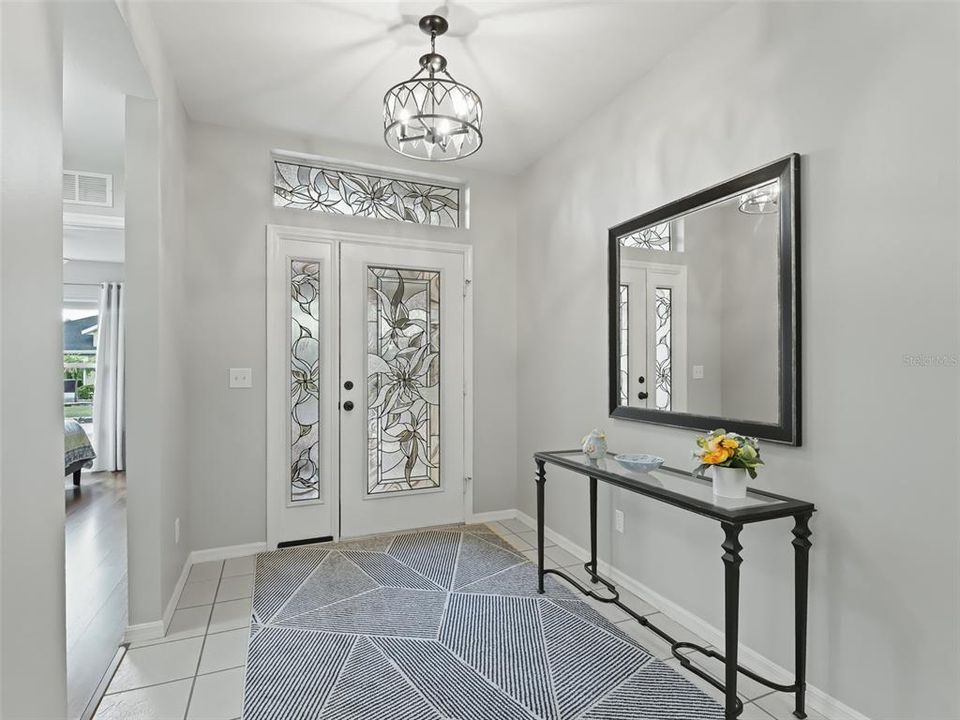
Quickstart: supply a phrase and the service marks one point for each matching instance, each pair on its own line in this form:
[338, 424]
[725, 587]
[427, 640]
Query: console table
[695, 494]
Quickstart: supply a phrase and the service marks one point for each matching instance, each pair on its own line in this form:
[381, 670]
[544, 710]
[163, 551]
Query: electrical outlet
[176, 531]
[698, 372]
[241, 378]
[618, 520]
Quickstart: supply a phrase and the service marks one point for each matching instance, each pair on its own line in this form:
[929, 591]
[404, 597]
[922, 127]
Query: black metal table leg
[593, 528]
[731, 609]
[801, 556]
[541, 481]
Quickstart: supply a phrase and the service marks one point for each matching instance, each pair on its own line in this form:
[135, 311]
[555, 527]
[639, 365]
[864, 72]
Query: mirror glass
[698, 314]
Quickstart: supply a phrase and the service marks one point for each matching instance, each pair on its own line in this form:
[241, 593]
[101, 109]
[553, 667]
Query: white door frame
[277, 392]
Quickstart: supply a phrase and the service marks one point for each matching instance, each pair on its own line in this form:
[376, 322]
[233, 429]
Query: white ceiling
[321, 68]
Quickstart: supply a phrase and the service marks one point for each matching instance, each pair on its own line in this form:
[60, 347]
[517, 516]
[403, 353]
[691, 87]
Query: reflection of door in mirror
[726, 326]
[653, 335]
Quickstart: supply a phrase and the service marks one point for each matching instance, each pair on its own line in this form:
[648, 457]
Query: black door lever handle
[642, 395]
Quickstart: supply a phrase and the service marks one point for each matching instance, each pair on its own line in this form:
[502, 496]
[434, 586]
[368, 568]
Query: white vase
[729, 482]
[594, 444]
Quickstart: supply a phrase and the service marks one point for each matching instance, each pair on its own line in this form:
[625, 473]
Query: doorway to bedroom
[97, 78]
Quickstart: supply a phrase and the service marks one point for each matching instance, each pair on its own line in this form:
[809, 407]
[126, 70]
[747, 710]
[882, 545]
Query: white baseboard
[144, 631]
[227, 552]
[492, 516]
[817, 699]
[158, 628]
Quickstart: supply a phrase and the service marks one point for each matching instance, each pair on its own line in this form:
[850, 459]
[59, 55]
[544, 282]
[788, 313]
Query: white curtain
[109, 421]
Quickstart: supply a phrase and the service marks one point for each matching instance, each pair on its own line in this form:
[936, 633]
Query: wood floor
[96, 555]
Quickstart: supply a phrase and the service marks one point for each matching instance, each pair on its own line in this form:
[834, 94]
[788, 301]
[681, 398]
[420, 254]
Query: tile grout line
[203, 644]
[174, 681]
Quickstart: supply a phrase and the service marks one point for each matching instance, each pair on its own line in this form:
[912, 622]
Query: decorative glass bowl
[639, 463]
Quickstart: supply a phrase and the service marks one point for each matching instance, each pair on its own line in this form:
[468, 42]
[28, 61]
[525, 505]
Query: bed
[77, 451]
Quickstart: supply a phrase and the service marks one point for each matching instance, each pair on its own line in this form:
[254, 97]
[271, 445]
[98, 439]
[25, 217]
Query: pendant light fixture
[431, 116]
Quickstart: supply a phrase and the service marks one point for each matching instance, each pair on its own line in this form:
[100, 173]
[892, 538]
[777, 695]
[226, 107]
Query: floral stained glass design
[342, 192]
[403, 380]
[304, 380]
[656, 237]
[663, 340]
[624, 344]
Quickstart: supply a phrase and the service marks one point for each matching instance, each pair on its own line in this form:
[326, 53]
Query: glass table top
[679, 482]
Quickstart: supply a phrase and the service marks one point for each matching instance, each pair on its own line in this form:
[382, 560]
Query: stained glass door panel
[305, 329]
[403, 379]
[402, 416]
[667, 342]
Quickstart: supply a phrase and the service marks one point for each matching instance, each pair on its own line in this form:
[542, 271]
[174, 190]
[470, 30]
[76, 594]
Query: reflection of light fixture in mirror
[764, 200]
[431, 116]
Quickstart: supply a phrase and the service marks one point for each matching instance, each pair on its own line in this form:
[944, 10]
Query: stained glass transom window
[304, 380]
[663, 340]
[347, 192]
[403, 380]
[624, 344]
[656, 237]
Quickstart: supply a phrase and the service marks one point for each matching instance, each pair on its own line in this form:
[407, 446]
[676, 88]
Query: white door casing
[333, 513]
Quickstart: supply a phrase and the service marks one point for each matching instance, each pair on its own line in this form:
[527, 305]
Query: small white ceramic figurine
[595, 444]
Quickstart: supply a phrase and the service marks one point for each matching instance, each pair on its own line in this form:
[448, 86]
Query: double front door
[365, 387]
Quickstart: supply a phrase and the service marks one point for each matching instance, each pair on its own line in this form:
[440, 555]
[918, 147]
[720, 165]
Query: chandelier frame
[404, 133]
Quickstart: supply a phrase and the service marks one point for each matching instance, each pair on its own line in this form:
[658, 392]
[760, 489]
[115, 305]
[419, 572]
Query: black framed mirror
[704, 308]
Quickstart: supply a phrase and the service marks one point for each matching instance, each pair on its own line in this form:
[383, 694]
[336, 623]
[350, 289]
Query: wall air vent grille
[87, 188]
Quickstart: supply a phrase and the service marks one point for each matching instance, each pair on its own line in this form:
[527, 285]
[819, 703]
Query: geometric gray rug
[439, 624]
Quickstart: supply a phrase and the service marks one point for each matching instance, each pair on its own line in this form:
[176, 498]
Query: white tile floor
[197, 671]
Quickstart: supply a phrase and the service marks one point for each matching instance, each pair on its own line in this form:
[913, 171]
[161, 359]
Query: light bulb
[459, 104]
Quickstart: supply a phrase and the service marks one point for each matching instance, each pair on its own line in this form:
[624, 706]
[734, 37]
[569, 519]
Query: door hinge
[466, 286]
[467, 479]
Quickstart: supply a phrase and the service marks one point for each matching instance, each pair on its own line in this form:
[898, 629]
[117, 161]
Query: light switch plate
[698, 372]
[241, 378]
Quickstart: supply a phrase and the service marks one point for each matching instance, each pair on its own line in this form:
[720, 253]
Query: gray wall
[750, 355]
[868, 93]
[32, 611]
[230, 205]
[157, 491]
[703, 254]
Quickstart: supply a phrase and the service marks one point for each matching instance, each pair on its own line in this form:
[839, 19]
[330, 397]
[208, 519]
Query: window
[361, 194]
[664, 356]
[304, 380]
[79, 362]
[656, 237]
[624, 344]
[403, 383]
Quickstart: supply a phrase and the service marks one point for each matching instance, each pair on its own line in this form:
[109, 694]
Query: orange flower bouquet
[723, 449]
